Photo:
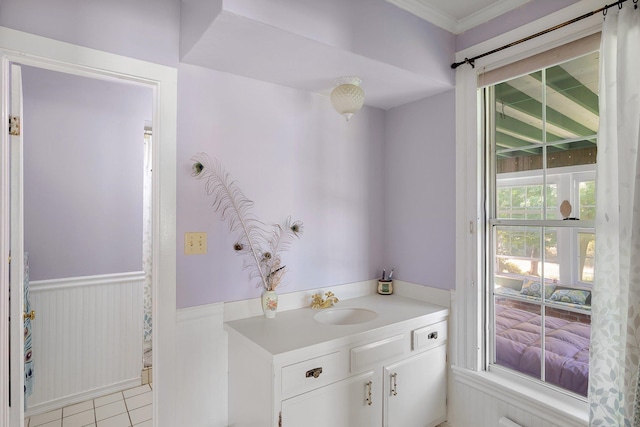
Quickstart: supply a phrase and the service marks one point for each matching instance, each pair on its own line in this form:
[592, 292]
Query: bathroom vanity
[378, 360]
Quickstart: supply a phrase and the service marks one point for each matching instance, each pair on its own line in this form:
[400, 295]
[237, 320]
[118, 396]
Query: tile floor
[123, 409]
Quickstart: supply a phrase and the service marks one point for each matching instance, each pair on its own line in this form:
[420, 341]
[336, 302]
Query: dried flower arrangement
[260, 243]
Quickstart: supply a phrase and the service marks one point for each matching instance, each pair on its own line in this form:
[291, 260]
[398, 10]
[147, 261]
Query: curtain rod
[471, 61]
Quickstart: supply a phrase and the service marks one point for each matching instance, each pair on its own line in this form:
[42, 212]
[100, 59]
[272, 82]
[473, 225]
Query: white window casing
[468, 320]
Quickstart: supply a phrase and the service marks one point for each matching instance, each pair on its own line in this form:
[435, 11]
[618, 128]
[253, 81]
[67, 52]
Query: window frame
[468, 303]
[567, 180]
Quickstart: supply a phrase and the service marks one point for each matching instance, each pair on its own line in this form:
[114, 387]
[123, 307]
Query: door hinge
[280, 419]
[14, 125]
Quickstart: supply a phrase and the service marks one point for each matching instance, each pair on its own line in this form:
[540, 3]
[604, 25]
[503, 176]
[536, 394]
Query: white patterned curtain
[615, 329]
[147, 248]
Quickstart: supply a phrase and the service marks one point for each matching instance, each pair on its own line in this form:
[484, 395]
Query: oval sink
[345, 316]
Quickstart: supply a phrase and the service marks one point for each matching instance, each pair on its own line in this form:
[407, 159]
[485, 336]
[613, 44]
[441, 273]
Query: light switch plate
[195, 243]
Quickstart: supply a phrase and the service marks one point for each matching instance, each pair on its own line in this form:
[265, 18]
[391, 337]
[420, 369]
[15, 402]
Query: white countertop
[295, 329]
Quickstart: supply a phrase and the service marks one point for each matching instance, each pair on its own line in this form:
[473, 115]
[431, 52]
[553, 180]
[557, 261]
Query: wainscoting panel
[480, 404]
[87, 338]
[202, 366]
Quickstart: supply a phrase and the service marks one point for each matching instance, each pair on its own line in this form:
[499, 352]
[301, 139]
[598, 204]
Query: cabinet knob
[315, 372]
[433, 335]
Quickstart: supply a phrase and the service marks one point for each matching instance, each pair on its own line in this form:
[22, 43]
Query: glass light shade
[347, 97]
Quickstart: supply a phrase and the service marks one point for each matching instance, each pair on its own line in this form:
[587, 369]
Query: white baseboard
[81, 397]
[200, 312]
[428, 294]
[74, 282]
[253, 307]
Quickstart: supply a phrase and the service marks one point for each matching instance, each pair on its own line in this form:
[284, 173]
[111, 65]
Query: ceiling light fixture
[347, 97]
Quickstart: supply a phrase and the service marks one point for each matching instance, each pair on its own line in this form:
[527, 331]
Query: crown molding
[428, 13]
[423, 10]
[486, 14]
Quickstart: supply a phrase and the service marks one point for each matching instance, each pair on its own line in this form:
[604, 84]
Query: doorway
[84, 148]
[26, 49]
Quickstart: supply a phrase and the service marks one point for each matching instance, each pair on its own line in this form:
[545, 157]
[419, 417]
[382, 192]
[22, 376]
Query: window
[540, 139]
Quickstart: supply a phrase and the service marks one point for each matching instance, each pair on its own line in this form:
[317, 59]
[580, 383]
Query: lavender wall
[289, 152]
[420, 191]
[83, 148]
[143, 29]
[292, 154]
[522, 15]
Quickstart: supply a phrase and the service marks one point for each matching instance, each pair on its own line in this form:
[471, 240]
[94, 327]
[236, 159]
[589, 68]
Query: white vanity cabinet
[293, 371]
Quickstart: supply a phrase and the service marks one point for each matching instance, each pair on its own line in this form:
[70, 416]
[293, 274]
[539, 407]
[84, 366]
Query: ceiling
[260, 50]
[559, 109]
[250, 43]
[563, 104]
[457, 16]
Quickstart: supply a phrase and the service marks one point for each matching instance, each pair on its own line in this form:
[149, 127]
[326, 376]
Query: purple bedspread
[566, 343]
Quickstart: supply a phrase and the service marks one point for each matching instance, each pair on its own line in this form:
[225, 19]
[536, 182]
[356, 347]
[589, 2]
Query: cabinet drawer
[430, 336]
[310, 374]
[369, 354]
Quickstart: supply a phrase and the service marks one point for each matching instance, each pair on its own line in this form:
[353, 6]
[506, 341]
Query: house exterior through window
[540, 133]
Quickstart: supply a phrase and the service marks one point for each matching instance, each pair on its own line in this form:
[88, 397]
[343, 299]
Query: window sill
[552, 406]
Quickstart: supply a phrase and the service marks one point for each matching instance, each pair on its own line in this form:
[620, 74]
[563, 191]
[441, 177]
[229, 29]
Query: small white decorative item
[269, 304]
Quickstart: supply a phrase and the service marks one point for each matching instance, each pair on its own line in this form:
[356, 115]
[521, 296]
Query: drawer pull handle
[368, 399]
[433, 335]
[315, 372]
[394, 386]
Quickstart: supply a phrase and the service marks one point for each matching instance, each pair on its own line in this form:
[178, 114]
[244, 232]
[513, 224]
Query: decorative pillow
[531, 288]
[548, 290]
[500, 290]
[573, 296]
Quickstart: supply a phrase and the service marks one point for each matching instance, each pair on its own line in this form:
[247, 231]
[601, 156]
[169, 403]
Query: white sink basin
[345, 316]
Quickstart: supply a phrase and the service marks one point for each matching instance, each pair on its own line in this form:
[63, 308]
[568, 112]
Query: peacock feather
[260, 243]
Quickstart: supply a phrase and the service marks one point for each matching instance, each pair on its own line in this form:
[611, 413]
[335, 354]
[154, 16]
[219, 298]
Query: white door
[16, 268]
[353, 402]
[416, 389]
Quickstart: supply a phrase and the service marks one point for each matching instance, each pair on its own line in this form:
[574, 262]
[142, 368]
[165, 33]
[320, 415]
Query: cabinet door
[352, 402]
[415, 390]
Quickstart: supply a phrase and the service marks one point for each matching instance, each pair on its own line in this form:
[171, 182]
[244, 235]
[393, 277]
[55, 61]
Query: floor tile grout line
[128, 413]
[94, 407]
[95, 416]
